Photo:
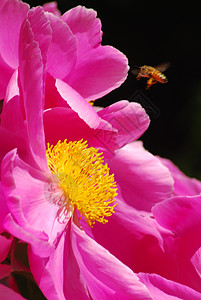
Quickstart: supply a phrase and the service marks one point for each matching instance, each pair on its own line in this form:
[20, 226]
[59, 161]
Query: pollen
[84, 179]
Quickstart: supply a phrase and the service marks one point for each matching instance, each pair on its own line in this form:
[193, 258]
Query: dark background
[150, 33]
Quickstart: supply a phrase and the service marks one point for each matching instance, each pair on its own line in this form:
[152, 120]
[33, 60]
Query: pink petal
[138, 244]
[99, 69]
[52, 7]
[41, 29]
[62, 53]
[146, 182]
[103, 70]
[86, 27]
[38, 240]
[5, 75]
[33, 97]
[105, 276]
[8, 141]
[4, 209]
[11, 117]
[182, 215]
[78, 104]
[62, 123]
[12, 14]
[59, 277]
[161, 288]
[29, 198]
[5, 270]
[5, 247]
[183, 185]
[9, 294]
[52, 96]
[130, 119]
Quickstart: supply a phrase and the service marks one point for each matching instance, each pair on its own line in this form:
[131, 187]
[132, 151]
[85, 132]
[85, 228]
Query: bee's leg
[150, 81]
[138, 77]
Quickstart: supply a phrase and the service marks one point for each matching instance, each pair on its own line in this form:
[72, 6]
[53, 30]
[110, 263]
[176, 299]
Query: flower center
[84, 180]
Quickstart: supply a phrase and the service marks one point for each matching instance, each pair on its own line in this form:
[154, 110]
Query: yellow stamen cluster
[84, 179]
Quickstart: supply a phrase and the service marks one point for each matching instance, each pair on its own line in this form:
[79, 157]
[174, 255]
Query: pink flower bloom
[25, 178]
[56, 68]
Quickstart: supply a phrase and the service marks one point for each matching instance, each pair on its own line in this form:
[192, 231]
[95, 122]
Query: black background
[150, 33]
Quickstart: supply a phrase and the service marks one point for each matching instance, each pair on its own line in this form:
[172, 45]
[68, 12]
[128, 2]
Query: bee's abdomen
[160, 77]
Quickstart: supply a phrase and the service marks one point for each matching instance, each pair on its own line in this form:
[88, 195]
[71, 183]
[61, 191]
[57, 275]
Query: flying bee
[154, 74]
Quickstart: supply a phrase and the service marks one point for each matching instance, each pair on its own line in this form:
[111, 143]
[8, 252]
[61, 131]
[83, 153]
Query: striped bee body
[158, 76]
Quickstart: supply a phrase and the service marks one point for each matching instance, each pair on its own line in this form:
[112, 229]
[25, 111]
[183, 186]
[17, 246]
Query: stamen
[84, 180]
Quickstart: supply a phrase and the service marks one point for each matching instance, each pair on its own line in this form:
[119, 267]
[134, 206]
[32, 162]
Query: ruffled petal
[4, 209]
[161, 288]
[52, 7]
[41, 30]
[106, 277]
[62, 54]
[78, 104]
[85, 25]
[130, 119]
[59, 277]
[5, 247]
[183, 185]
[12, 15]
[32, 89]
[182, 215]
[99, 69]
[142, 178]
[5, 75]
[5, 270]
[29, 198]
[9, 293]
[103, 70]
[62, 123]
[138, 244]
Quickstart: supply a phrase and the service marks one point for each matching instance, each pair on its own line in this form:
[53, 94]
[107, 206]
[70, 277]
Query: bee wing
[162, 67]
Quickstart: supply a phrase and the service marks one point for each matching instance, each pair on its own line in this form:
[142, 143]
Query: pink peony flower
[140, 253]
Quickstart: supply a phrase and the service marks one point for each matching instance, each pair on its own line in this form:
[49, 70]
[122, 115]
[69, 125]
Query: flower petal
[85, 25]
[105, 276]
[78, 104]
[146, 182]
[182, 215]
[130, 119]
[33, 97]
[99, 69]
[59, 277]
[138, 243]
[161, 288]
[5, 75]
[52, 7]
[9, 293]
[4, 209]
[183, 185]
[41, 30]
[12, 14]
[29, 198]
[62, 53]
[5, 247]
[63, 123]
[103, 70]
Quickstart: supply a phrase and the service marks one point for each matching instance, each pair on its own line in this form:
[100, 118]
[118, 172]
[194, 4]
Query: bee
[154, 74]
